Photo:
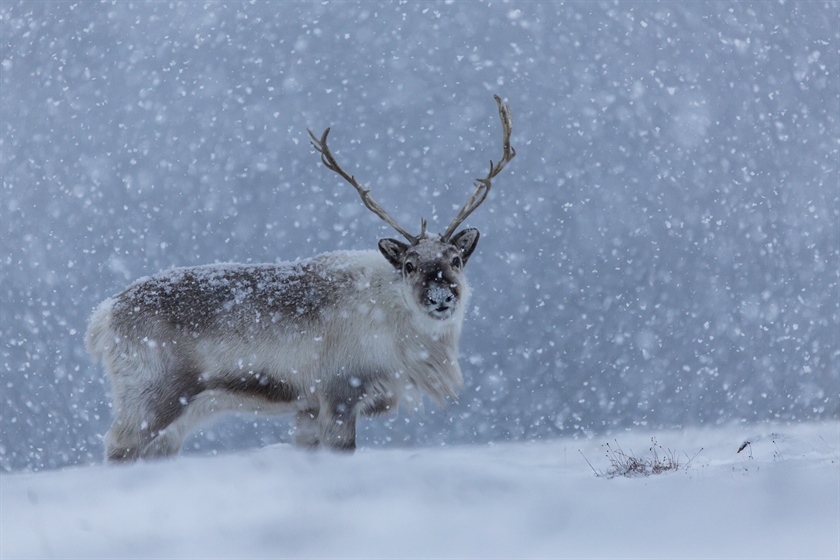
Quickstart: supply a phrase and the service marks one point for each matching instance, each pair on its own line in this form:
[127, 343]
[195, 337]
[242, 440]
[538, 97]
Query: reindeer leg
[337, 420]
[338, 429]
[126, 438]
[306, 429]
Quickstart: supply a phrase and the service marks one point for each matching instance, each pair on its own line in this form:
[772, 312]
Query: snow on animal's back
[231, 296]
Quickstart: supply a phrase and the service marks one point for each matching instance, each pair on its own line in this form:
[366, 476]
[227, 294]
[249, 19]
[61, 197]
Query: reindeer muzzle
[440, 300]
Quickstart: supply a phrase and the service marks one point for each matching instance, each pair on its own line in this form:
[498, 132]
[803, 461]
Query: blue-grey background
[663, 251]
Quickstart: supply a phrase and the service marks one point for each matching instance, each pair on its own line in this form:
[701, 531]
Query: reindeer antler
[482, 186]
[329, 161]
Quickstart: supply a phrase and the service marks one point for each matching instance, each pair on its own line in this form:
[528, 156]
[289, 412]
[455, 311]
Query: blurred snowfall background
[663, 252]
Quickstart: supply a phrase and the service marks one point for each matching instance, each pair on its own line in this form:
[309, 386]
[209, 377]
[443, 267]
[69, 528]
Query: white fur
[366, 341]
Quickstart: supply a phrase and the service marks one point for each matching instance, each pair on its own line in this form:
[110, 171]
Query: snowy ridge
[779, 497]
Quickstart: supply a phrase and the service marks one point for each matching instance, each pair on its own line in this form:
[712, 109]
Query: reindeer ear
[466, 241]
[393, 251]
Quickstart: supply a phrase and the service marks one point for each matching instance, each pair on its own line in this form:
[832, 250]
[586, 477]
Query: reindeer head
[432, 270]
[431, 265]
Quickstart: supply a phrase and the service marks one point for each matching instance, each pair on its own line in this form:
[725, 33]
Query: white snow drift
[778, 498]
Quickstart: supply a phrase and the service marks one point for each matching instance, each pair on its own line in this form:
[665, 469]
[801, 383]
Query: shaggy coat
[327, 338]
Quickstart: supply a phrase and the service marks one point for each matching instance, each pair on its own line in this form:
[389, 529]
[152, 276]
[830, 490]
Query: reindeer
[328, 338]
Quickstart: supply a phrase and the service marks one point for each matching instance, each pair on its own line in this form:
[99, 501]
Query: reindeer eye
[409, 267]
[457, 262]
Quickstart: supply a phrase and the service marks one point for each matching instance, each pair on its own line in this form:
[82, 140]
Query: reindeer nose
[441, 297]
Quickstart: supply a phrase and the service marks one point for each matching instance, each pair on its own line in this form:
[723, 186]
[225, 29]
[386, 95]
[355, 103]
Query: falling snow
[662, 253]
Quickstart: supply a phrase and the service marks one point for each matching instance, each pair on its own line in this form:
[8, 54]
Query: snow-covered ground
[778, 498]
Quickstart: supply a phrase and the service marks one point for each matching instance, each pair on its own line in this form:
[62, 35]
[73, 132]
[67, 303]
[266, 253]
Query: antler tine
[482, 186]
[329, 162]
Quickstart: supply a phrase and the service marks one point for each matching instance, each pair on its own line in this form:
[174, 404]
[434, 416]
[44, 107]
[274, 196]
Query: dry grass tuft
[628, 464]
